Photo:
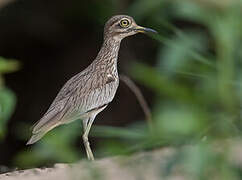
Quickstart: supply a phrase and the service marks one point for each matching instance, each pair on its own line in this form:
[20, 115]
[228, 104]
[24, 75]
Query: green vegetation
[7, 97]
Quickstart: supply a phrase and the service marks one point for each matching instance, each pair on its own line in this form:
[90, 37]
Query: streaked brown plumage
[89, 92]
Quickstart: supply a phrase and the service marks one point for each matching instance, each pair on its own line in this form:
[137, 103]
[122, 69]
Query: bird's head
[121, 26]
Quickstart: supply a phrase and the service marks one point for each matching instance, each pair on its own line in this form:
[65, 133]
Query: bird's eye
[124, 23]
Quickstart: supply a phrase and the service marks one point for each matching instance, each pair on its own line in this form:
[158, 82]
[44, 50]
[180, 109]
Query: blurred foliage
[57, 146]
[197, 85]
[7, 97]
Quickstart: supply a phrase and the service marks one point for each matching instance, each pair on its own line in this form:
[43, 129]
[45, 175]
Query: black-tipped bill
[144, 29]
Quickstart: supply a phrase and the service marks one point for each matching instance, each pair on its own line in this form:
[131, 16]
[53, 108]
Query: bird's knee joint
[85, 138]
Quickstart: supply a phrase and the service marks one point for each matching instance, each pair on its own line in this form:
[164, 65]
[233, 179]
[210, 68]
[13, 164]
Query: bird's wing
[60, 104]
[58, 108]
[61, 110]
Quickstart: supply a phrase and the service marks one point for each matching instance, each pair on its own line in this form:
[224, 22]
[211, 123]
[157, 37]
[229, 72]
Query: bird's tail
[35, 137]
[45, 124]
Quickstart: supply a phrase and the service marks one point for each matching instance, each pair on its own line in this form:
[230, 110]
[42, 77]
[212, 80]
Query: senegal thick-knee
[90, 91]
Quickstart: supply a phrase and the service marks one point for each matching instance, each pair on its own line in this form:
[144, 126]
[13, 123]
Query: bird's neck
[108, 53]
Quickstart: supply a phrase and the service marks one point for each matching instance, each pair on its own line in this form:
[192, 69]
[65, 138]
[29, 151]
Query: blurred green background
[190, 74]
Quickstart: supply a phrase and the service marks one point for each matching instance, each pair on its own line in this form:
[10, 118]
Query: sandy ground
[150, 165]
[140, 166]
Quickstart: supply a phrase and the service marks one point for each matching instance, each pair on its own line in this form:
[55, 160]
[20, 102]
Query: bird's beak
[144, 29]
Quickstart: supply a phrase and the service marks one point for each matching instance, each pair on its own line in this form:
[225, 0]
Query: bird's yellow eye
[124, 23]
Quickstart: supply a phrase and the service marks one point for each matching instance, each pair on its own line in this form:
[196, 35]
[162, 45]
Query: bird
[89, 92]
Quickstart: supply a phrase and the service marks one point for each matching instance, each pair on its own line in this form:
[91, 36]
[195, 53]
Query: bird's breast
[104, 94]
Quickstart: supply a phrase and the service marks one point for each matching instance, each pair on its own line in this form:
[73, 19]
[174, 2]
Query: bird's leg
[87, 124]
